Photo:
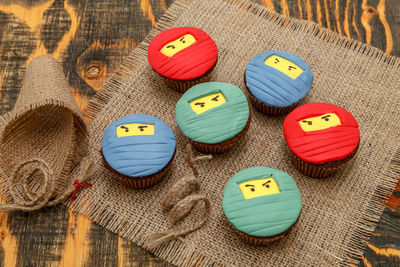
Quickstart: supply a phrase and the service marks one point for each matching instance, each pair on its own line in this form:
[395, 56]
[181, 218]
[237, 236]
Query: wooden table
[91, 38]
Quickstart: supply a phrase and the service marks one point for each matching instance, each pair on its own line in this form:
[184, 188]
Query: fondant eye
[141, 128]
[215, 98]
[276, 60]
[309, 122]
[327, 119]
[252, 189]
[266, 184]
[292, 68]
[126, 129]
[183, 41]
[171, 46]
[201, 104]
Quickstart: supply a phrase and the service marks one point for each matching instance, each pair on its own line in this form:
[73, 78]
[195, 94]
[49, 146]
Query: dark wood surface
[91, 38]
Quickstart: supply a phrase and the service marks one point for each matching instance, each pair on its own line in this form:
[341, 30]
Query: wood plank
[91, 38]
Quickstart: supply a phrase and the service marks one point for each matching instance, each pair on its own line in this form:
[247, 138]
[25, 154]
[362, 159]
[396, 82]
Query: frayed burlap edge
[180, 255]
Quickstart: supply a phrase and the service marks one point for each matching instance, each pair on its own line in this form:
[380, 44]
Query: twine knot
[180, 201]
[28, 194]
[77, 186]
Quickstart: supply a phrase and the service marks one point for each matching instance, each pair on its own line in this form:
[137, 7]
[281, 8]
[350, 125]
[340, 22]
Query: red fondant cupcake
[184, 56]
[322, 137]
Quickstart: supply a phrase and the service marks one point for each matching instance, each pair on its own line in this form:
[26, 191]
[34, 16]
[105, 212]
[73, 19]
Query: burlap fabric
[339, 213]
[42, 140]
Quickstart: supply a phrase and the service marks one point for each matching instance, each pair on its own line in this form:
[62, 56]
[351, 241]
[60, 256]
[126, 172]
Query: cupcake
[213, 115]
[277, 81]
[262, 204]
[321, 137]
[183, 56]
[139, 149]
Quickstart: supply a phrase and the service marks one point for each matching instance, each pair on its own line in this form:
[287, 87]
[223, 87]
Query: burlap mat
[338, 214]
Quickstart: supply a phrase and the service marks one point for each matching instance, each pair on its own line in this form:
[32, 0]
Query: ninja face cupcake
[322, 137]
[276, 81]
[213, 115]
[262, 204]
[139, 149]
[184, 56]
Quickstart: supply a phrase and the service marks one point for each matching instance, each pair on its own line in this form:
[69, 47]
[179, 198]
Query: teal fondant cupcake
[213, 115]
[262, 204]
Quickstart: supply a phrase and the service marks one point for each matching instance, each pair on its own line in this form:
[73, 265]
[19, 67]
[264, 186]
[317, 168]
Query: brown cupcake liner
[320, 170]
[259, 240]
[223, 146]
[140, 182]
[269, 110]
[182, 86]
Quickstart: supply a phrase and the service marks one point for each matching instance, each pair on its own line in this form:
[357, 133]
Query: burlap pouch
[42, 140]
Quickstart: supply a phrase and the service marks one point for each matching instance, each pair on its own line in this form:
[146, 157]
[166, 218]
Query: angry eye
[134, 129]
[259, 187]
[182, 40]
[207, 102]
[266, 184]
[171, 46]
[201, 104]
[215, 98]
[252, 187]
[326, 117]
[141, 128]
[320, 122]
[284, 65]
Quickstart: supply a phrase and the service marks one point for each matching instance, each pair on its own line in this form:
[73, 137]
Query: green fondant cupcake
[213, 115]
[262, 204]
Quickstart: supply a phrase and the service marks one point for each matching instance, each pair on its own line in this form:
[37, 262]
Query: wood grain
[91, 38]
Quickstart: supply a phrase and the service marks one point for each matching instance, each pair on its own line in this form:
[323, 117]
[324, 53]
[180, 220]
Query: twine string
[180, 200]
[25, 199]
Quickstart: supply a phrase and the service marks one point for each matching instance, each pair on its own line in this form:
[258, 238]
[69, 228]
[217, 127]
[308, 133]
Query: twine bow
[77, 186]
[29, 197]
[180, 200]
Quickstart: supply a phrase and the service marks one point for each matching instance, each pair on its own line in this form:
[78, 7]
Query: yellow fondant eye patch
[208, 102]
[283, 65]
[325, 121]
[260, 187]
[134, 129]
[179, 44]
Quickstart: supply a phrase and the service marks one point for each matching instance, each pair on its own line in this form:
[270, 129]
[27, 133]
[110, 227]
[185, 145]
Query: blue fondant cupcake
[138, 148]
[277, 81]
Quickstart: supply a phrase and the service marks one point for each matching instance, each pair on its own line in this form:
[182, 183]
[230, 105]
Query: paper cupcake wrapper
[182, 86]
[140, 182]
[269, 110]
[261, 241]
[320, 170]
